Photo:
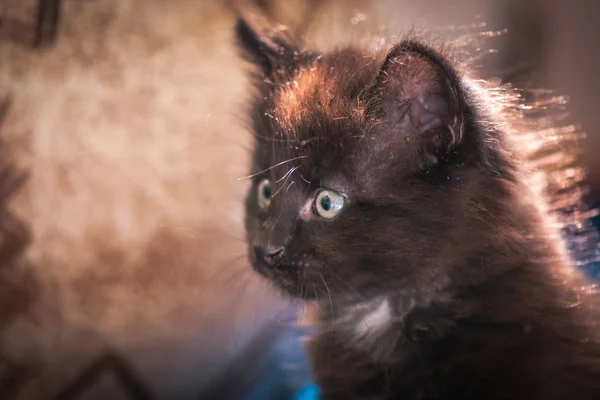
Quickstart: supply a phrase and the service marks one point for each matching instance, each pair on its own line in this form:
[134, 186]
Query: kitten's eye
[264, 193]
[328, 203]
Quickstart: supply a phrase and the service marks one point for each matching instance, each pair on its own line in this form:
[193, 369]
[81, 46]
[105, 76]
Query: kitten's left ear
[416, 98]
[270, 52]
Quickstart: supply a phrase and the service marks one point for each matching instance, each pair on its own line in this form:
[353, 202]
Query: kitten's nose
[269, 255]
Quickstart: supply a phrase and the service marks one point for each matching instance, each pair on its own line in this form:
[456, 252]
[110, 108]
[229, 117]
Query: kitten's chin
[292, 289]
[289, 287]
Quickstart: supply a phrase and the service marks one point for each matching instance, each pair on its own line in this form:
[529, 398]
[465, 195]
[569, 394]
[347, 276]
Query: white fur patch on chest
[373, 318]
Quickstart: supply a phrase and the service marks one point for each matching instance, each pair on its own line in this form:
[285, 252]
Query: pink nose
[269, 255]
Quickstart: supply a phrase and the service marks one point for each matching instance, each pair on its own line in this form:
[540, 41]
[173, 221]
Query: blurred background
[122, 256]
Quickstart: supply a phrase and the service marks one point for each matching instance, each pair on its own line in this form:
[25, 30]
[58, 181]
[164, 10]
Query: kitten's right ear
[270, 53]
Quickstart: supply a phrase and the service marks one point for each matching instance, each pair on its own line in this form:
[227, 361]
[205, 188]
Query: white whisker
[287, 174]
[271, 167]
[328, 292]
[304, 179]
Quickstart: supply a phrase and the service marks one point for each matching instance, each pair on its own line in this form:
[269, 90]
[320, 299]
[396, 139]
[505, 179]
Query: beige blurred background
[126, 232]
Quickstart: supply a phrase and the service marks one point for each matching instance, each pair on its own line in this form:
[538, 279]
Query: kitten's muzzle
[269, 256]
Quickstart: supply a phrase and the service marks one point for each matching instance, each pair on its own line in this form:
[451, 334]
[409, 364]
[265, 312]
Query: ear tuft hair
[268, 52]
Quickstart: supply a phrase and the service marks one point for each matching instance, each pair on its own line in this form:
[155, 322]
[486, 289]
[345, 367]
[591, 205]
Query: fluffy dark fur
[442, 277]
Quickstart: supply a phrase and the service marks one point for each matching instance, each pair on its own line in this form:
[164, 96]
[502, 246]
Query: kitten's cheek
[306, 212]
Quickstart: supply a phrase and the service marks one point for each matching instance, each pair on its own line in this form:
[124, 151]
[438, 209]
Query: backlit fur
[444, 248]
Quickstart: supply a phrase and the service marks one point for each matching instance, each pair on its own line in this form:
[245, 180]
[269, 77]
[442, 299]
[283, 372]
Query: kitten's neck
[376, 325]
[371, 325]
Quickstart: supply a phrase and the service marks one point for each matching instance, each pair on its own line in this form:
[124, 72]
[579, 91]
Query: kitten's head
[365, 166]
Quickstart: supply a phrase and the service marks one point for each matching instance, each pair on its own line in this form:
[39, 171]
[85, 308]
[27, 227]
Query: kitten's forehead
[317, 118]
[310, 92]
[322, 92]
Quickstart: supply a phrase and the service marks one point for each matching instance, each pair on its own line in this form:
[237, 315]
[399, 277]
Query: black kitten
[385, 190]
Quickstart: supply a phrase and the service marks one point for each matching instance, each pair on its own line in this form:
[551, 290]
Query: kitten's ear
[269, 52]
[416, 98]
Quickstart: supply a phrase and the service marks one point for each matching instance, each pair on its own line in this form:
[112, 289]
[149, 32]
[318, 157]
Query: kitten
[386, 189]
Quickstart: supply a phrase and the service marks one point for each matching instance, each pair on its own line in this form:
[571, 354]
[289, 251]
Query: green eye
[328, 204]
[264, 193]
